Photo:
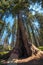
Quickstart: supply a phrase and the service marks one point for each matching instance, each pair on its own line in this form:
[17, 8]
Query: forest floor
[32, 60]
[15, 61]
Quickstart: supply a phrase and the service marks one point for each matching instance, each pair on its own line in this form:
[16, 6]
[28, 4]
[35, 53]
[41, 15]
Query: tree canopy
[32, 19]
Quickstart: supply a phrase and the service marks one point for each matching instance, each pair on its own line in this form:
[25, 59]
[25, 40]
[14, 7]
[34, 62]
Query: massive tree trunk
[32, 50]
[24, 34]
[23, 48]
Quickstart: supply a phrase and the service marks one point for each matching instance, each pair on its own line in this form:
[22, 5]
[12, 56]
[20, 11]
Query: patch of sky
[10, 39]
[9, 19]
[36, 8]
[4, 34]
[36, 26]
[36, 23]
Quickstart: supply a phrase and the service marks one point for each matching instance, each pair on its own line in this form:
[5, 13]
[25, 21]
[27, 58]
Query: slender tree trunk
[35, 39]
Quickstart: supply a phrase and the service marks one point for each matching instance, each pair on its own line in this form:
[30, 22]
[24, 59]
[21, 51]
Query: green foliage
[1, 63]
[2, 27]
[16, 5]
[3, 52]
[1, 47]
[7, 48]
[16, 1]
[17, 8]
[41, 48]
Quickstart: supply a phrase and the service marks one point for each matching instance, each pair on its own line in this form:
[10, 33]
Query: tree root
[38, 56]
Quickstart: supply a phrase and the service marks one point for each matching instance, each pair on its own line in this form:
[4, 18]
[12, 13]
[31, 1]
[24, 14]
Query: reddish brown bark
[31, 49]
[33, 53]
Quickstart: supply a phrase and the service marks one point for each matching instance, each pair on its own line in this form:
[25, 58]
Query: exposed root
[39, 55]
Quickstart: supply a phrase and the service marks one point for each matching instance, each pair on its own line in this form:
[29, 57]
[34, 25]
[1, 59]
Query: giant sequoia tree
[23, 47]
